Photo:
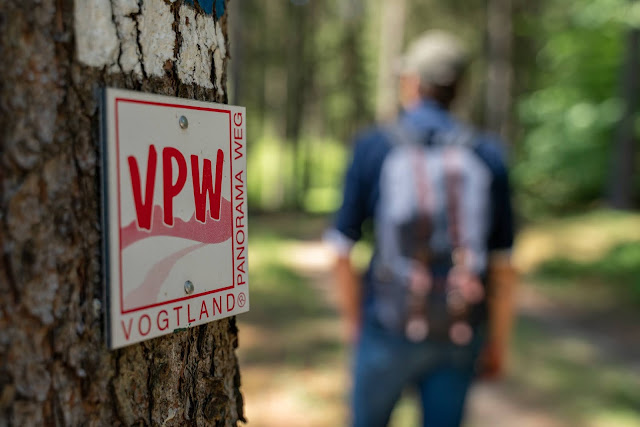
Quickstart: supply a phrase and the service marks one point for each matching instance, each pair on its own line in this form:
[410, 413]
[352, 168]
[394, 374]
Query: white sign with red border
[175, 214]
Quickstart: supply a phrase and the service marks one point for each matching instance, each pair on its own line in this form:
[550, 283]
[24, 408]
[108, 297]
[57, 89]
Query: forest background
[559, 82]
[557, 79]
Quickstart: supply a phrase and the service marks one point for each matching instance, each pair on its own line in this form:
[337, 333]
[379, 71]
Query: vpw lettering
[207, 184]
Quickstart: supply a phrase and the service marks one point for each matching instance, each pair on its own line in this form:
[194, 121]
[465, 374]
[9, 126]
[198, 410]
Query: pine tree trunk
[54, 366]
[391, 35]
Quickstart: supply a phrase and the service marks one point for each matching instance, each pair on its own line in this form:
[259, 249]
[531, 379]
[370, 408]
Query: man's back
[371, 149]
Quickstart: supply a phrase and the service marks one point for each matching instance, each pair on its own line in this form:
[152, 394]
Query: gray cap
[437, 57]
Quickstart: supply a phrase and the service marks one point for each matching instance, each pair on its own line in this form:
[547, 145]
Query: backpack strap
[461, 255]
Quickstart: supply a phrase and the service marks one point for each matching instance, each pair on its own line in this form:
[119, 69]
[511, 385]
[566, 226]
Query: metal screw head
[188, 287]
[184, 123]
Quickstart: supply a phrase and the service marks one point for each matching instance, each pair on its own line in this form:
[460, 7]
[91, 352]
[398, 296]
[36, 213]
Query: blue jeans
[386, 363]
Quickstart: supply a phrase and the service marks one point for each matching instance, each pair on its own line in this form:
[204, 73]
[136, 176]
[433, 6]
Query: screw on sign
[188, 287]
[184, 123]
[242, 299]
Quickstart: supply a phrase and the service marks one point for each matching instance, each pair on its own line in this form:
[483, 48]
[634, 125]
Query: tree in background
[306, 63]
[312, 68]
[546, 76]
[54, 366]
[391, 40]
[300, 68]
[499, 67]
[623, 165]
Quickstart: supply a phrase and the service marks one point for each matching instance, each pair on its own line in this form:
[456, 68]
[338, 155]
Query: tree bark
[237, 50]
[54, 366]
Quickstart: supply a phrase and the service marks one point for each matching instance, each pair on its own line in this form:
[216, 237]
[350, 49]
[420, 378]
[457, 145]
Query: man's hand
[492, 362]
[350, 331]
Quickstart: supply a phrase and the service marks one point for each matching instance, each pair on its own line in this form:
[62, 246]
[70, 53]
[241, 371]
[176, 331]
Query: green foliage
[308, 69]
[307, 76]
[272, 164]
[570, 120]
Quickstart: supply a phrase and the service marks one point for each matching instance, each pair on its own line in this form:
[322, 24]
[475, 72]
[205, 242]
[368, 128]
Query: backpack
[431, 228]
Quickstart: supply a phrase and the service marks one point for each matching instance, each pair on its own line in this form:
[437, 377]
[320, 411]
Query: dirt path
[512, 402]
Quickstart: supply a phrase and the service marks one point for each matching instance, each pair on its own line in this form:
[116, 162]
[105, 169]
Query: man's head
[432, 67]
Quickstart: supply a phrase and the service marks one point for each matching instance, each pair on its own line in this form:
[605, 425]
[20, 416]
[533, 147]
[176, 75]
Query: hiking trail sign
[175, 214]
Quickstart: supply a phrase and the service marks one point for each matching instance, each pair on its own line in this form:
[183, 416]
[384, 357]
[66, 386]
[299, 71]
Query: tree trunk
[237, 50]
[499, 66]
[391, 35]
[353, 52]
[299, 69]
[624, 152]
[54, 366]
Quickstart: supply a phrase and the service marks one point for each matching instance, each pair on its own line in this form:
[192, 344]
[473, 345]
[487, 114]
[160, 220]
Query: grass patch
[583, 238]
[618, 269]
[597, 252]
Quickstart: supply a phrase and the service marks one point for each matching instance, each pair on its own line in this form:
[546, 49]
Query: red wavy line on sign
[149, 289]
[210, 232]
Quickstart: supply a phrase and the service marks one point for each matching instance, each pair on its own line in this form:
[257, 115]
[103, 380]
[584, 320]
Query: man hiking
[437, 293]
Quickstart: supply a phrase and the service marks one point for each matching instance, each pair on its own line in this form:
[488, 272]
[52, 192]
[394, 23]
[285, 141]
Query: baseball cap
[437, 57]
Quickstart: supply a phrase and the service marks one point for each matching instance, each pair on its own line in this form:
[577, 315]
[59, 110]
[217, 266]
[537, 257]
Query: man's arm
[349, 296]
[346, 231]
[502, 276]
[501, 302]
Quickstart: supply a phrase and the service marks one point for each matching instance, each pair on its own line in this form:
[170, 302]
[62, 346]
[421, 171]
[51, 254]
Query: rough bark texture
[54, 366]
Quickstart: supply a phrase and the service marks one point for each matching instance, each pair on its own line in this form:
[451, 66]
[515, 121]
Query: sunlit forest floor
[576, 352]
